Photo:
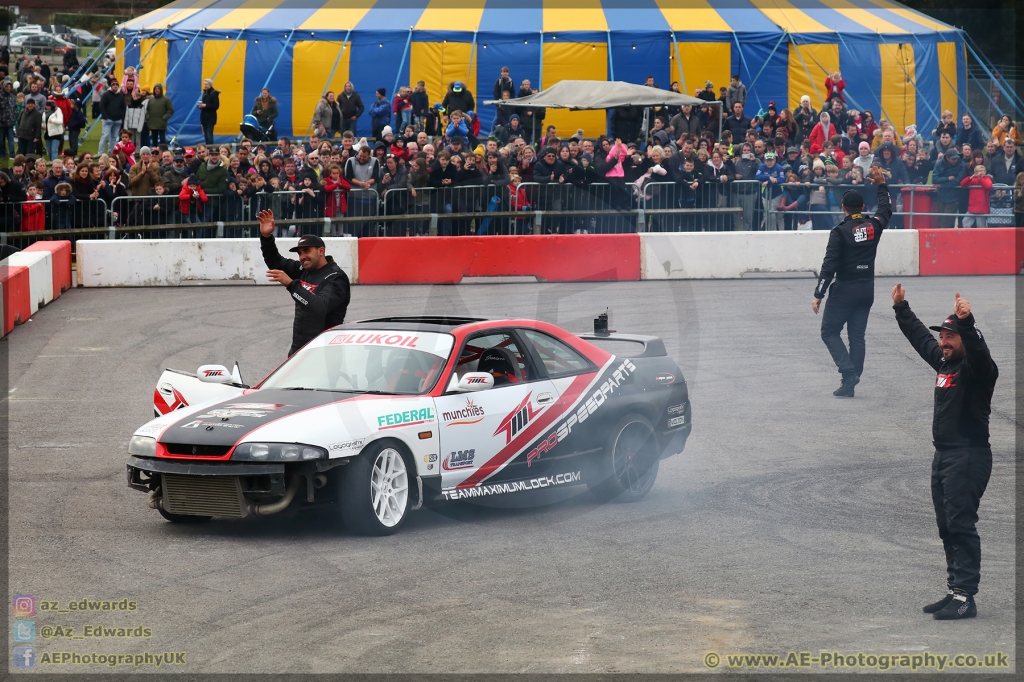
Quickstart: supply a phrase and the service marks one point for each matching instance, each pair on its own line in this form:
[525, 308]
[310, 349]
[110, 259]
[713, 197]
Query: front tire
[375, 491]
[629, 465]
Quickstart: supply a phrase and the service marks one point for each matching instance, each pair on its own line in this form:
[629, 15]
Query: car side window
[496, 353]
[558, 357]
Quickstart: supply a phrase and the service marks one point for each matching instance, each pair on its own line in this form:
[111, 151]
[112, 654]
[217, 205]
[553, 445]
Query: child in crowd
[979, 191]
[127, 146]
[62, 208]
[192, 201]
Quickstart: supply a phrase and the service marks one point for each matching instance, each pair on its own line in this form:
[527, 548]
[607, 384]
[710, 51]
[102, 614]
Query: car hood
[322, 418]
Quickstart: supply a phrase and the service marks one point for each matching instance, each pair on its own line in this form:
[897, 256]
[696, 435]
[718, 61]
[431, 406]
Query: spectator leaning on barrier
[772, 178]
[946, 176]
[144, 174]
[979, 189]
[175, 174]
[192, 201]
[213, 177]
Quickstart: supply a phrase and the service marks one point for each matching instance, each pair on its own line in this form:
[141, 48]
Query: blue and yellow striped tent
[899, 63]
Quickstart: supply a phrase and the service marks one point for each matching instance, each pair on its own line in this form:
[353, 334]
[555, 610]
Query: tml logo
[518, 419]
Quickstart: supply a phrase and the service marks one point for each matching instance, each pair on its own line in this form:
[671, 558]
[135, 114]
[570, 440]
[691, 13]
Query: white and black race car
[383, 416]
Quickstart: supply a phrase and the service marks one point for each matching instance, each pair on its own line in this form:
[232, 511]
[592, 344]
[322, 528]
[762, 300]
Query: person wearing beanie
[380, 114]
[805, 118]
[850, 259]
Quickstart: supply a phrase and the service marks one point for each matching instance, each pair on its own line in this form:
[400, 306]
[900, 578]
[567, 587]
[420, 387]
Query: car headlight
[278, 452]
[143, 446]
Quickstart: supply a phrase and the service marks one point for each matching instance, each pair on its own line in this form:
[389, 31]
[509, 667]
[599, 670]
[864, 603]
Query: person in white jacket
[864, 158]
[53, 128]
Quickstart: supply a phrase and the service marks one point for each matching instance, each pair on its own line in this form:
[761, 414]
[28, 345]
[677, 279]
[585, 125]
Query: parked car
[39, 43]
[83, 37]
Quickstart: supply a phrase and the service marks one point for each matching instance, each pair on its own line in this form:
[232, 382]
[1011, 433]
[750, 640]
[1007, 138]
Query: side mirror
[475, 381]
[213, 374]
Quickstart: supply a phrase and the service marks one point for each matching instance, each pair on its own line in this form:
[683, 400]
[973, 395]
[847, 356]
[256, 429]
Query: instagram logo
[24, 605]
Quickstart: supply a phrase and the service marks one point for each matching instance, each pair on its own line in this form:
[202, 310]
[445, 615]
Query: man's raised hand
[899, 294]
[877, 176]
[962, 308]
[266, 218]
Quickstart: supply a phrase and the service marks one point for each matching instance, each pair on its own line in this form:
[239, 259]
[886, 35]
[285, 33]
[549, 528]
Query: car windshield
[396, 362]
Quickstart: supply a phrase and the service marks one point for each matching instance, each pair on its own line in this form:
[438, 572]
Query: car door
[482, 432]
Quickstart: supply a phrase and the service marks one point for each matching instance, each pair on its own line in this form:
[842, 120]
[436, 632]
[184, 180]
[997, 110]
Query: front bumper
[143, 471]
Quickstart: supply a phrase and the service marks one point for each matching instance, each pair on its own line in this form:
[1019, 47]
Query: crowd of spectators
[781, 168]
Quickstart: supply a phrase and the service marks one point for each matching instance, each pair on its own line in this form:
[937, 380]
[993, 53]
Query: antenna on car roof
[601, 324]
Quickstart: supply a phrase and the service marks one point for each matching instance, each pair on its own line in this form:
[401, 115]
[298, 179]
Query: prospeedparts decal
[591, 405]
[513, 487]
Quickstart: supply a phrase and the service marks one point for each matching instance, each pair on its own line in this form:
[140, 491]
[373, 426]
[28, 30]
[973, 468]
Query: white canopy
[600, 95]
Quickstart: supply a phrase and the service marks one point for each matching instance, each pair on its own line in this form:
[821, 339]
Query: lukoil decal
[400, 340]
[470, 414]
[513, 487]
[406, 418]
[517, 420]
[589, 407]
[462, 459]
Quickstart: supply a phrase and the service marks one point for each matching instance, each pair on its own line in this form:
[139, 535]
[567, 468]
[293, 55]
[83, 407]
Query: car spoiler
[653, 346]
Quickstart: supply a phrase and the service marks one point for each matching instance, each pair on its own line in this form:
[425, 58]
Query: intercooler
[219, 496]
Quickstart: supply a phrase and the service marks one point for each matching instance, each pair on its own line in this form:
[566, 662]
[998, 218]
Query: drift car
[382, 416]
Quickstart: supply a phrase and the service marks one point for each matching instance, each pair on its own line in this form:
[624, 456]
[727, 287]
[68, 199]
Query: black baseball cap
[948, 324]
[853, 199]
[308, 240]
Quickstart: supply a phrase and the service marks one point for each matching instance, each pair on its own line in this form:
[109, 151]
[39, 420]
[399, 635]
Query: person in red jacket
[834, 86]
[336, 189]
[191, 200]
[979, 189]
[823, 130]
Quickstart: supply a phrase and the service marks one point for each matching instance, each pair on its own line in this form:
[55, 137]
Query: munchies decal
[470, 414]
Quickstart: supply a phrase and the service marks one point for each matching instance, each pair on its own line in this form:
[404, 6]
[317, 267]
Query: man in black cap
[850, 258]
[318, 284]
[965, 379]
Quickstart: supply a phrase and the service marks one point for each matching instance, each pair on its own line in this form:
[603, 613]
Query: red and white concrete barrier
[32, 278]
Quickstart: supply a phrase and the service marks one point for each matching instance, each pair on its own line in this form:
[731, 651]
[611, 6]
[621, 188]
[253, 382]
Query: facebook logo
[24, 656]
[24, 631]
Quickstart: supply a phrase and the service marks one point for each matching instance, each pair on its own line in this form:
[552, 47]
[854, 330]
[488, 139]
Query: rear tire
[375, 491]
[629, 465]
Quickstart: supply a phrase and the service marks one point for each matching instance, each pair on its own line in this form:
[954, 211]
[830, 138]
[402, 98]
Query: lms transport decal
[513, 487]
[405, 418]
[461, 459]
[463, 416]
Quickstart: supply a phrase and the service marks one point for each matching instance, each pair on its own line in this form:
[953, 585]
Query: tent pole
[808, 71]
[151, 48]
[959, 99]
[611, 60]
[227, 54]
[190, 42]
[472, 54]
[405, 54]
[763, 66]
[540, 86]
[679, 63]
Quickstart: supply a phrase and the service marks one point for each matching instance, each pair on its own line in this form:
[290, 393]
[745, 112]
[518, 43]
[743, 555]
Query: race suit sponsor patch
[512, 487]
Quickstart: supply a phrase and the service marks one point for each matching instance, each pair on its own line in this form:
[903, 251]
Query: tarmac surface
[793, 521]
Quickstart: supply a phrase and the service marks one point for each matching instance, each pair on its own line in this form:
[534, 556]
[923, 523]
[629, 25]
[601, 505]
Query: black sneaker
[960, 606]
[846, 389]
[939, 605]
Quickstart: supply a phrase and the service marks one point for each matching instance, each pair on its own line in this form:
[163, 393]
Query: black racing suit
[321, 296]
[963, 458]
[850, 258]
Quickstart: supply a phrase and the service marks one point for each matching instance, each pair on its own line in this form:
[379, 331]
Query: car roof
[424, 323]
